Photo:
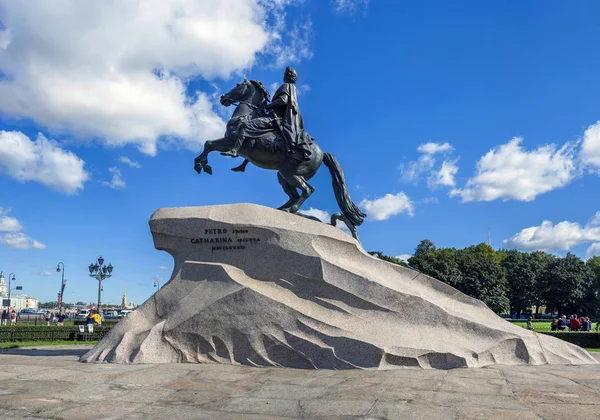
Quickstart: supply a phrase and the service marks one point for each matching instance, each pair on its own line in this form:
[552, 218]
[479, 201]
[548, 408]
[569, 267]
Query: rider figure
[288, 118]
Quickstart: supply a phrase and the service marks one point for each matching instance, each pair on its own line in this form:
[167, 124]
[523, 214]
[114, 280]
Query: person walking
[13, 318]
[4, 319]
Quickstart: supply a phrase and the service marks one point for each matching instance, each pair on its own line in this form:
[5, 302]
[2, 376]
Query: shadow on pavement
[45, 351]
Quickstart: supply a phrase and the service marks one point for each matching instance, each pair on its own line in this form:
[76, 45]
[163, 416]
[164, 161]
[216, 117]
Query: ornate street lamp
[157, 285]
[61, 293]
[99, 271]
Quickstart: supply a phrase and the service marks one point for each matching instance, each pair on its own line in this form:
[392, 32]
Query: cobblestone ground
[49, 383]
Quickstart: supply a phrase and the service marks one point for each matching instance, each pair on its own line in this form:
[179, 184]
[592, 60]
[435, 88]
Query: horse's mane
[262, 89]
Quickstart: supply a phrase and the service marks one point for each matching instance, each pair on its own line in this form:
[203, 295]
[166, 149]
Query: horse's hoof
[198, 168]
[208, 169]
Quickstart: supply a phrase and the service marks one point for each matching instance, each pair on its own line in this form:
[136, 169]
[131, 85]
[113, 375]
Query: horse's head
[248, 91]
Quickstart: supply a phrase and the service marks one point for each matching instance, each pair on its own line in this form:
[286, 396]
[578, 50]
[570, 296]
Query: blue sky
[448, 119]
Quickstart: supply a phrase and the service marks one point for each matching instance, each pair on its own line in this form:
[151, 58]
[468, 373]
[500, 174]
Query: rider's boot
[233, 152]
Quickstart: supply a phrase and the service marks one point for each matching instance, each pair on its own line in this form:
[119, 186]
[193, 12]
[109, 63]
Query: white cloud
[20, 240]
[433, 148]
[414, 170]
[116, 182]
[595, 219]
[427, 166]
[14, 238]
[429, 200]
[324, 217]
[593, 250]
[45, 274]
[387, 206]
[350, 6]
[445, 176]
[127, 161]
[163, 268]
[560, 237]
[404, 257]
[297, 47]
[42, 161]
[119, 71]
[158, 277]
[511, 172]
[9, 224]
[590, 147]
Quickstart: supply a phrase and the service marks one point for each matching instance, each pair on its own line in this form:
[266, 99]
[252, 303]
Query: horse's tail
[350, 210]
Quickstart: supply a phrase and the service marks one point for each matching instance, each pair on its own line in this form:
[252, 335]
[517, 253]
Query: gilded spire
[124, 301]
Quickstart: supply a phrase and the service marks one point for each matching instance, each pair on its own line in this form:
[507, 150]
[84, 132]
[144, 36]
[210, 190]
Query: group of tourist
[93, 318]
[6, 315]
[574, 323]
[57, 318]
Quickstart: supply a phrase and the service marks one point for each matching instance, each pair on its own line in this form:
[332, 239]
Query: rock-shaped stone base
[257, 286]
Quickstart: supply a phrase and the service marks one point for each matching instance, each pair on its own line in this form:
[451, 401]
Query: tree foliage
[384, 257]
[510, 279]
[568, 281]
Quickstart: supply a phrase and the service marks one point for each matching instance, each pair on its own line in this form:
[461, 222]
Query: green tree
[422, 259]
[443, 265]
[540, 261]
[593, 264]
[521, 279]
[482, 277]
[568, 281]
[384, 257]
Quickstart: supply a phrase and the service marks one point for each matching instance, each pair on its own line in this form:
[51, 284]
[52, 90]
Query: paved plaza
[49, 383]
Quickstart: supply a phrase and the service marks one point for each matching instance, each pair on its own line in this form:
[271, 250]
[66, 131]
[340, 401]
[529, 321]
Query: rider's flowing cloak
[292, 129]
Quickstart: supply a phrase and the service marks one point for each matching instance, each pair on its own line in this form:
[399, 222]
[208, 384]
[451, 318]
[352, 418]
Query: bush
[45, 333]
[105, 322]
[582, 338]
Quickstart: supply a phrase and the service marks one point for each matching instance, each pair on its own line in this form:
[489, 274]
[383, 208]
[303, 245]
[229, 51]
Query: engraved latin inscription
[226, 239]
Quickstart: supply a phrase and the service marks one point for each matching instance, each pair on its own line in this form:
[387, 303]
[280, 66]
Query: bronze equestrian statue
[272, 136]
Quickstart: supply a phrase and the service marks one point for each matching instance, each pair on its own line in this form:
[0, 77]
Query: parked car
[83, 313]
[111, 315]
[124, 313]
[30, 311]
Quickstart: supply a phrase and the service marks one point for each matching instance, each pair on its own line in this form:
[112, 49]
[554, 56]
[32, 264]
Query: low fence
[45, 333]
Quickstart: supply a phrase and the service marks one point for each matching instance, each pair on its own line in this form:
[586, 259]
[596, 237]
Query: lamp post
[99, 271]
[11, 277]
[62, 285]
[157, 285]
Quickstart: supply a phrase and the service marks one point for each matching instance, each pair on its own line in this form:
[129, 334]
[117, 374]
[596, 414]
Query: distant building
[17, 301]
[32, 303]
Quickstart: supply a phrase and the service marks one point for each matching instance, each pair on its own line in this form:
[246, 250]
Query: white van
[83, 313]
[124, 313]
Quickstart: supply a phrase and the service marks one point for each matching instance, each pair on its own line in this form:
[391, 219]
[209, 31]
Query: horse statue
[267, 149]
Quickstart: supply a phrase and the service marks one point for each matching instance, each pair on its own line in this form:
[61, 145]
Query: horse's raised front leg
[201, 161]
